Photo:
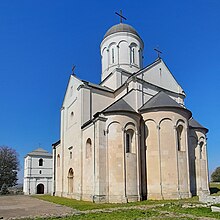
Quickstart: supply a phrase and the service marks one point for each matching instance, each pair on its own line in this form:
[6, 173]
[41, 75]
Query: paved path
[19, 206]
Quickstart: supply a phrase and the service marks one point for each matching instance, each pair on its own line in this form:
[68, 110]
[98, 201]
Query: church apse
[166, 167]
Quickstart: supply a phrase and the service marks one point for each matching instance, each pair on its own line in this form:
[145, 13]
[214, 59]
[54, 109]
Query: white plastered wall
[35, 174]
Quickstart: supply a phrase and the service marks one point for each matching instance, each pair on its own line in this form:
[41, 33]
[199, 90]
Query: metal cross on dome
[121, 16]
[158, 52]
[73, 69]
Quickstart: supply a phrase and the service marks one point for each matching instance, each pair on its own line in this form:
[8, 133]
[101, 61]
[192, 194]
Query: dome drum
[121, 47]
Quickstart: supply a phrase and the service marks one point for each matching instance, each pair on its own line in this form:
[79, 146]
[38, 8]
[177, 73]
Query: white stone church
[131, 137]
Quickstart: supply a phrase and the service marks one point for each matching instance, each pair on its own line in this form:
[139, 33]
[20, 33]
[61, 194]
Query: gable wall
[71, 137]
[100, 100]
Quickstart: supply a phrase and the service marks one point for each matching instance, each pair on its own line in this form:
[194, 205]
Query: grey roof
[161, 99]
[121, 28]
[120, 105]
[40, 152]
[195, 124]
[56, 143]
[97, 86]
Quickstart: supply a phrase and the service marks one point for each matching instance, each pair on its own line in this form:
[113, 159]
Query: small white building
[38, 172]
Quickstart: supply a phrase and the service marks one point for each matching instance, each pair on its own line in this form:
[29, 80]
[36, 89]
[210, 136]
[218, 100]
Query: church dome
[121, 47]
[121, 28]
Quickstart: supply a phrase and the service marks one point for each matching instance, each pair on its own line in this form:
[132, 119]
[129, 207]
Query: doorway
[40, 188]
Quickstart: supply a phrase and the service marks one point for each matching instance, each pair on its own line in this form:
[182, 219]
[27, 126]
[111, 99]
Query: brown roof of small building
[40, 152]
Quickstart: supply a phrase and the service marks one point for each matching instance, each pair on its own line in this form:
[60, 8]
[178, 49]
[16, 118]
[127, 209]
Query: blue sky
[40, 40]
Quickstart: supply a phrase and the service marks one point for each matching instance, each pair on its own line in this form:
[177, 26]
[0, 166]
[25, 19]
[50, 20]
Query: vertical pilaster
[187, 158]
[138, 165]
[160, 168]
[100, 190]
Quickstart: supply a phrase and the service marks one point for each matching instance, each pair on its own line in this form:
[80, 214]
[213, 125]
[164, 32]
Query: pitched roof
[119, 105]
[161, 99]
[97, 86]
[56, 143]
[39, 152]
[195, 124]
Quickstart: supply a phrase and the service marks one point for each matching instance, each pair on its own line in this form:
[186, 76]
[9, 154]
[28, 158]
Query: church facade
[131, 137]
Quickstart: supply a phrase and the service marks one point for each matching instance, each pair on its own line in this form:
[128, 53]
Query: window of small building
[40, 172]
[71, 154]
[41, 162]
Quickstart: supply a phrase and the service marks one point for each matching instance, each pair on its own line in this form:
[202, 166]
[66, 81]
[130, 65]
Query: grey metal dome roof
[121, 28]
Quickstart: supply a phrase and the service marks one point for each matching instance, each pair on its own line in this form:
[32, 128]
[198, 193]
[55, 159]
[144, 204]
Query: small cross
[158, 52]
[73, 69]
[121, 16]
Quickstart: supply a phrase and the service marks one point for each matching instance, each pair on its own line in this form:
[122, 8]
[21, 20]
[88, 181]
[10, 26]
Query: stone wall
[209, 199]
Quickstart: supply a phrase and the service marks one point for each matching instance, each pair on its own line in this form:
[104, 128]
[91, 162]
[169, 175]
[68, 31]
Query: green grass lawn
[126, 215]
[214, 189]
[165, 209]
[83, 205]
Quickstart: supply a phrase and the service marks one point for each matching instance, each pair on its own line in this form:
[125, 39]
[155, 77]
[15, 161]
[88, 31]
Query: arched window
[41, 162]
[133, 53]
[180, 140]
[70, 180]
[88, 148]
[58, 160]
[129, 141]
[113, 55]
[201, 144]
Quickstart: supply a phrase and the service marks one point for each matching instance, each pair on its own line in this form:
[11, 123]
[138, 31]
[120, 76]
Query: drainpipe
[94, 173]
[54, 170]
